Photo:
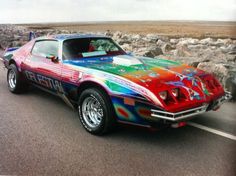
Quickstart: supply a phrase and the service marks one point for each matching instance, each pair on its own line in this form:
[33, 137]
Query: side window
[45, 48]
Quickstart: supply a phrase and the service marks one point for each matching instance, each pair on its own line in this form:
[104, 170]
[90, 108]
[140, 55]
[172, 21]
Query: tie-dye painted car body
[134, 84]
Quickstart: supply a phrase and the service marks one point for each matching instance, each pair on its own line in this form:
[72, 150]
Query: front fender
[119, 86]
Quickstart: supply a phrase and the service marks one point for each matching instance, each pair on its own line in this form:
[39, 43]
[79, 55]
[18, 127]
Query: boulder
[127, 47]
[188, 41]
[231, 49]
[219, 70]
[154, 51]
[167, 47]
[182, 50]
[223, 42]
[151, 38]
[136, 37]
[117, 35]
[160, 43]
[108, 33]
[174, 41]
[207, 41]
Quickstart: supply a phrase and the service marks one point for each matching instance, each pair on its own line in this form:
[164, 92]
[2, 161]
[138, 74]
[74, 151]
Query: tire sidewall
[96, 94]
[12, 67]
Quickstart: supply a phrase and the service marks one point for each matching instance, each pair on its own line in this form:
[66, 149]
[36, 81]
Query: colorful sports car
[94, 75]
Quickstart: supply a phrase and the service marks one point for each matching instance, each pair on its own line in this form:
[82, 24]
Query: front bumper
[216, 104]
[183, 115]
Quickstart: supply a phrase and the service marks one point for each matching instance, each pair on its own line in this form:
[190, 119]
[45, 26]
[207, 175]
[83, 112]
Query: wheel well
[12, 62]
[90, 84]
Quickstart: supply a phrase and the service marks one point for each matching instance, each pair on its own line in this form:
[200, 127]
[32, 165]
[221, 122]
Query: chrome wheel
[92, 112]
[12, 79]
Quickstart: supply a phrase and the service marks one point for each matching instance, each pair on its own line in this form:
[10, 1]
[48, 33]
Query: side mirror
[52, 58]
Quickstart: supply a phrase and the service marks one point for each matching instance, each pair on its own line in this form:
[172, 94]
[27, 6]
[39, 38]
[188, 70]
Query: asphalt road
[41, 135]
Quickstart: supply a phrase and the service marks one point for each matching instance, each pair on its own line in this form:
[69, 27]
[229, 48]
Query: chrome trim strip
[179, 115]
[181, 112]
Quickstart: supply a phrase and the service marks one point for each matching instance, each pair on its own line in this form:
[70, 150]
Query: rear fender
[8, 56]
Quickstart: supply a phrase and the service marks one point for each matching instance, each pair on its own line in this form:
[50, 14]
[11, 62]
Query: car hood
[154, 74]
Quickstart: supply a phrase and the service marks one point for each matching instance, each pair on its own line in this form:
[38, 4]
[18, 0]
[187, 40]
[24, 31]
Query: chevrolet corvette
[95, 76]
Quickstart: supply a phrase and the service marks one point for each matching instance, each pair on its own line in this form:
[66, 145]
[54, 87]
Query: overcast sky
[32, 11]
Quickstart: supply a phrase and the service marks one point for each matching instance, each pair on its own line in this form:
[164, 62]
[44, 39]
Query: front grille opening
[182, 96]
[170, 99]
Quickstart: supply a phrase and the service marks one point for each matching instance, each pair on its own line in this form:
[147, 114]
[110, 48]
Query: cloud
[24, 11]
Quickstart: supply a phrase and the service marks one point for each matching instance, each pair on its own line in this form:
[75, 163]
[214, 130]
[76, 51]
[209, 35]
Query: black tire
[107, 119]
[19, 85]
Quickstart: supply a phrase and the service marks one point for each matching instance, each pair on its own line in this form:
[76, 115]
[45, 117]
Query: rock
[117, 35]
[127, 47]
[182, 42]
[108, 33]
[174, 41]
[160, 43]
[219, 70]
[152, 52]
[136, 38]
[1, 53]
[213, 47]
[194, 64]
[17, 37]
[207, 41]
[193, 41]
[141, 51]
[17, 43]
[188, 41]
[122, 42]
[1, 47]
[164, 38]
[126, 37]
[232, 49]
[231, 58]
[223, 42]
[198, 47]
[182, 50]
[151, 38]
[230, 84]
[167, 47]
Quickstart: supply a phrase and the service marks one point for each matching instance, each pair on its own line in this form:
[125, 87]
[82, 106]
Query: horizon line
[115, 21]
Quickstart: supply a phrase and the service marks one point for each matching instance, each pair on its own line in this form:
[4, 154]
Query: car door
[43, 67]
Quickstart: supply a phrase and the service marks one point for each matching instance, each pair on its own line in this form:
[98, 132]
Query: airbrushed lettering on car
[44, 81]
[106, 85]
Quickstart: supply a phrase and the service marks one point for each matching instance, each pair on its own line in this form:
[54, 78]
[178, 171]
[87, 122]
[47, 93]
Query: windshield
[90, 47]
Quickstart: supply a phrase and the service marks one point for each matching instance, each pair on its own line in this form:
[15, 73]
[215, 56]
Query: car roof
[70, 36]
